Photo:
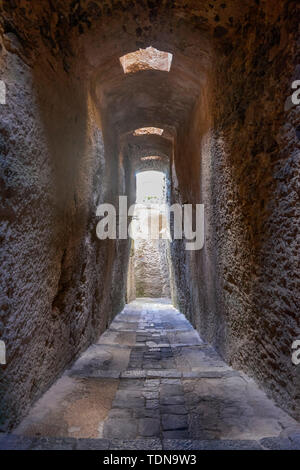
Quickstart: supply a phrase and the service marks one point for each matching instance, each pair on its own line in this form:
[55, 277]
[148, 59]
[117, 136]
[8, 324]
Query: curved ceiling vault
[161, 97]
[84, 35]
[150, 98]
[149, 151]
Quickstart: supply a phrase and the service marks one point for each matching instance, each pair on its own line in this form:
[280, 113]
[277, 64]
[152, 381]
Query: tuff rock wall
[60, 285]
[236, 149]
[242, 289]
[151, 269]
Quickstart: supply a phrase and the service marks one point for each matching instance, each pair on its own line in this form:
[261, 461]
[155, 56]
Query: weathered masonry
[98, 91]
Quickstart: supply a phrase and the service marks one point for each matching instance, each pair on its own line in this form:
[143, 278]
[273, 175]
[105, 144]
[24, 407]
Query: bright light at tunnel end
[125, 222]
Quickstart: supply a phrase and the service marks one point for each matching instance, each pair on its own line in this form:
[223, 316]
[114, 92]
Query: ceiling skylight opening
[148, 130]
[151, 157]
[146, 59]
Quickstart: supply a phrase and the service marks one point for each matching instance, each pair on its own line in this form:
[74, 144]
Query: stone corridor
[150, 382]
[94, 94]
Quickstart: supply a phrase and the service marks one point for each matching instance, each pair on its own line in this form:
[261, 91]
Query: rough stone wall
[56, 276]
[237, 152]
[131, 287]
[151, 269]
[149, 272]
[242, 290]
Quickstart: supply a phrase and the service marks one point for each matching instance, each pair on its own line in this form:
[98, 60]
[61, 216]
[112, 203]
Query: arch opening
[149, 265]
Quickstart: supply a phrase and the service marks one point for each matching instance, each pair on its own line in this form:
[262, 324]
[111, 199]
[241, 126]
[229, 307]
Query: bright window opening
[148, 130]
[146, 59]
[150, 185]
[149, 270]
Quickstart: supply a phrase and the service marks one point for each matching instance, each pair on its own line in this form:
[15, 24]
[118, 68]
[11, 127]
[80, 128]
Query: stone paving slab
[92, 444]
[138, 444]
[123, 326]
[163, 373]
[198, 359]
[13, 442]
[71, 408]
[45, 443]
[187, 444]
[100, 374]
[277, 443]
[195, 374]
[101, 358]
[231, 408]
[128, 374]
[184, 338]
[115, 338]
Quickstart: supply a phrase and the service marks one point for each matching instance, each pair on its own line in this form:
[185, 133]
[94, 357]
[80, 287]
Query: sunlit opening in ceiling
[148, 130]
[146, 59]
[151, 157]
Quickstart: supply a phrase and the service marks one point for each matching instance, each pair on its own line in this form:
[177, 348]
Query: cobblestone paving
[151, 382]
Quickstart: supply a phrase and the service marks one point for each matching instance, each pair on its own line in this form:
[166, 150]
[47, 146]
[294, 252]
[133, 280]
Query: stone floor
[150, 382]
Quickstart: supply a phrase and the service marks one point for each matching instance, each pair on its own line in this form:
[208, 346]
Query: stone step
[15, 442]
